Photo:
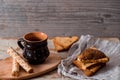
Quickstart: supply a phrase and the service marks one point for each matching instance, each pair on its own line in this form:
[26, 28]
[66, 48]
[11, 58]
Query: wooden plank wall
[60, 17]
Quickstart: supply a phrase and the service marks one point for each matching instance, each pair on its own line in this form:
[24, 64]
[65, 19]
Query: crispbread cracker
[57, 46]
[91, 60]
[84, 67]
[64, 43]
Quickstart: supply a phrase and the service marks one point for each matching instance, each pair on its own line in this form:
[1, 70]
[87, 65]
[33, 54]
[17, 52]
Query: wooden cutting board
[6, 66]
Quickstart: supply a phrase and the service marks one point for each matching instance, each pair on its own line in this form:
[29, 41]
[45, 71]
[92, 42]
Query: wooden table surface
[53, 75]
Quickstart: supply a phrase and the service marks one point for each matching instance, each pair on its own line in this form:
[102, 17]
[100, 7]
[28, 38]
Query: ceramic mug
[34, 46]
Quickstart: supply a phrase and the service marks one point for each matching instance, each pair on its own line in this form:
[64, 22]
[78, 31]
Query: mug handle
[20, 44]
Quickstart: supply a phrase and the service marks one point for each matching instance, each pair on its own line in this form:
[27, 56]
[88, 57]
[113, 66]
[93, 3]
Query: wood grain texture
[50, 64]
[60, 17]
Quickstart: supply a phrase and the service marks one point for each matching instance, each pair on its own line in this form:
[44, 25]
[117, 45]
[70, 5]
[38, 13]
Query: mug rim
[46, 36]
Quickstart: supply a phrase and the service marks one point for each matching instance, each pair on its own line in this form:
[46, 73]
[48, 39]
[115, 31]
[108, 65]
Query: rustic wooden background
[60, 17]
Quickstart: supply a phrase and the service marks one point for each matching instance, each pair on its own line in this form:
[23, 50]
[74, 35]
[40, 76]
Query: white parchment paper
[110, 72]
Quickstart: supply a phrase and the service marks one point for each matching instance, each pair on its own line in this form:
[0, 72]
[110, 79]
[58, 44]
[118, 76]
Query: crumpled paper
[110, 72]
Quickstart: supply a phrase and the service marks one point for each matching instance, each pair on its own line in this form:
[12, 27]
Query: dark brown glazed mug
[34, 46]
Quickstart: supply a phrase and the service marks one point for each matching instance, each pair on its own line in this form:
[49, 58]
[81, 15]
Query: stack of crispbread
[91, 60]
